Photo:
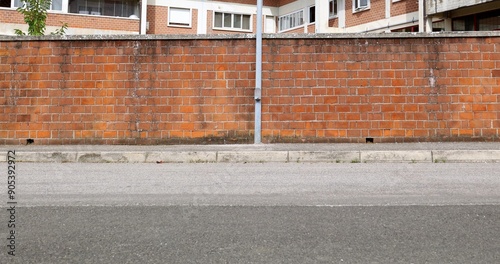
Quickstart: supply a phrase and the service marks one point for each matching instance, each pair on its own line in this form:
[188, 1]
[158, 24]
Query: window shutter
[180, 16]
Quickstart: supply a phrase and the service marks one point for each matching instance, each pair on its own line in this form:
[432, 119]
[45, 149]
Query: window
[438, 26]
[4, 3]
[333, 8]
[180, 17]
[359, 5]
[232, 21]
[487, 21]
[332, 11]
[54, 5]
[126, 8]
[312, 14]
[292, 20]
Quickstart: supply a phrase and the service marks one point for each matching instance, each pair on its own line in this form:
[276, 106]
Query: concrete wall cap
[469, 34]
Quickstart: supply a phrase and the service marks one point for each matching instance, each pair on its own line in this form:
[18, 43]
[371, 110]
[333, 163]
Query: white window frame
[100, 7]
[180, 24]
[356, 6]
[13, 5]
[233, 15]
[309, 14]
[294, 19]
[57, 10]
[331, 13]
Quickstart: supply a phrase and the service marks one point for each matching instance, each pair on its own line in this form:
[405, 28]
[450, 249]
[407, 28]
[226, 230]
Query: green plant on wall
[35, 15]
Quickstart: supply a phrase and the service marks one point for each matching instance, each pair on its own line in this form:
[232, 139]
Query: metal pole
[258, 76]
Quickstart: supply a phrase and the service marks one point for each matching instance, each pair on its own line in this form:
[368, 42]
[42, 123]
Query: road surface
[254, 213]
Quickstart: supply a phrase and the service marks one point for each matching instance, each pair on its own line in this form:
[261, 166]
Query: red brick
[174, 89]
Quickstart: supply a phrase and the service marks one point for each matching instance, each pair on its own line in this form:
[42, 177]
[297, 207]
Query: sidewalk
[335, 153]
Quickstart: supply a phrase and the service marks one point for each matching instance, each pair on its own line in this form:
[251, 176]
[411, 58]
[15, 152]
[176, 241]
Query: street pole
[258, 76]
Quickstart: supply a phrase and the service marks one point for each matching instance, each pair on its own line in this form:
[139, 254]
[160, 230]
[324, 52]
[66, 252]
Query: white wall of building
[204, 6]
[439, 6]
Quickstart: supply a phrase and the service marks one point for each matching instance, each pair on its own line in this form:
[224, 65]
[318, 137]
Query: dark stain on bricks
[495, 73]
[23, 118]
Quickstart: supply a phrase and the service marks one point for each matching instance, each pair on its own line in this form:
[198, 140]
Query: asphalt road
[255, 213]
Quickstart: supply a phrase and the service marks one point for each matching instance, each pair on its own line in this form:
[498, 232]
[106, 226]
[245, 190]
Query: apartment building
[279, 16]
[462, 15]
[82, 16]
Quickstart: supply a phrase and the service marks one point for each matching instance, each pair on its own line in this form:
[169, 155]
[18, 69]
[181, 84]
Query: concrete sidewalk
[335, 153]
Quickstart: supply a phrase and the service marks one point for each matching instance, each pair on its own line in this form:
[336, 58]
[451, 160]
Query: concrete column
[424, 21]
[421, 15]
[202, 18]
[144, 16]
[65, 6]
[448, 24]
[321, 16]
[428, 24]
[388, 8]
[341, 13]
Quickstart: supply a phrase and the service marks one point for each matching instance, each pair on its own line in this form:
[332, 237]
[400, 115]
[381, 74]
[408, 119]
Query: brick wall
[169, 90]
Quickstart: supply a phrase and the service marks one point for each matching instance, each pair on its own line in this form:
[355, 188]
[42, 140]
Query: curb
[367, 156]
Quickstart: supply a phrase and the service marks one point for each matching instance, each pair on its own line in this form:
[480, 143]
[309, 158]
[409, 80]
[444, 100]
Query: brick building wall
[297, 30]
[311, 28]
[156, 18]
[404, 7]
[200, 90]
[10, 16]
[158, 22]
[76, 21]
[374, 13]
[333, 22]
[211, 30]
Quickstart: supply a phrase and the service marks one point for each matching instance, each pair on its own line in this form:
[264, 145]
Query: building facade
[279, 16]
[82, 16]
[463, 15]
